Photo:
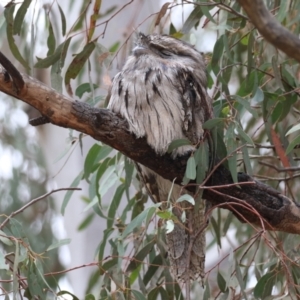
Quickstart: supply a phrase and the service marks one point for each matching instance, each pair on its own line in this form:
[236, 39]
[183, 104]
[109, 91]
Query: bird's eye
[161, 50]
[166, 53]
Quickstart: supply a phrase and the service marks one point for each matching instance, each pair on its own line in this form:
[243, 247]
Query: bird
[162, 93]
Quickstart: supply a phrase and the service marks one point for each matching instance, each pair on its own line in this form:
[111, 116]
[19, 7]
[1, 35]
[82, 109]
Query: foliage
[254, 89]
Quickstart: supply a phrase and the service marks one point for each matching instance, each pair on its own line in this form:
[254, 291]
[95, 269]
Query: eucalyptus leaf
[169, 226]
[59, 244]
[186, 197]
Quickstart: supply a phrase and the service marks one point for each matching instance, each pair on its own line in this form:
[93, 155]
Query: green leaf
[277, 72]
[192, 20]
[61, 293]
[20, 15]
[210, 124]
[169, 226]
[137, 259]
[202, 160]
[258, 96]
[166, 215]
[36, 283]
[216, 230]
[231, 147]
[114, 47]
[260, 289]
[4, 239]
[138, 220]
[84, 88]
[63, 20]
[108, 265]
[244, 136]
[293, 129]
[8, 13]
[239, 277]
[246, 104]
[86, 222]
[51, 42]
[78, 62]
[247, 162]
[190, 171]
[227, 223]
[138, 295]
[114, 205]
[205, 10]
[129, 170]
[217, 55]
[59, 54]
[178, 143]
[17, 229]
[68, 195]
[153, 267]
[108, 180]
[283, 11]
[56, 78]
[106, 233]
[206, 295]
[91, 160]
[186, 197]
[58, 244]
[250, 61]
[221, 282]
[89, 297]
[293, 144]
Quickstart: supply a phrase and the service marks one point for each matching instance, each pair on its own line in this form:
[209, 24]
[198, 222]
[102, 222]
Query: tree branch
[271, 29]
[278, 212]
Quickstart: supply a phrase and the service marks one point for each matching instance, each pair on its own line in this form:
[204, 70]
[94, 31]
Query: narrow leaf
[70, 193]
[293, 129]
[261, 285]
[63, 20]
[78, 62]
[56, 56]
[178, 143]
[210, 124]
[190, 171]
[192, 20]
[51, 41]
[221, 282]
[162, 13]
[20, 16]
[293, 144]
[84, 88]
[137, 259]
[169, 226]
[58, 244]
[186, 197]
[8, 13]
[138, 220]
[276, 72]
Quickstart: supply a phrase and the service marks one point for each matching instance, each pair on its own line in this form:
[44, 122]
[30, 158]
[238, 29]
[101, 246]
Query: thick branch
[280, 212]
[270, 29]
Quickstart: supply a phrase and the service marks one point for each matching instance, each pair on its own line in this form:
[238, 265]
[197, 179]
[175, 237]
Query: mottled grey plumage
[161, 92]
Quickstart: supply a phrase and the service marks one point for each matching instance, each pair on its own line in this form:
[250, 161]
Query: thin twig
[279, 169]
[34, 201]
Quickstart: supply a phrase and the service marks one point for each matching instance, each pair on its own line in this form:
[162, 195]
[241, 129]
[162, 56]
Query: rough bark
[254, 202]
